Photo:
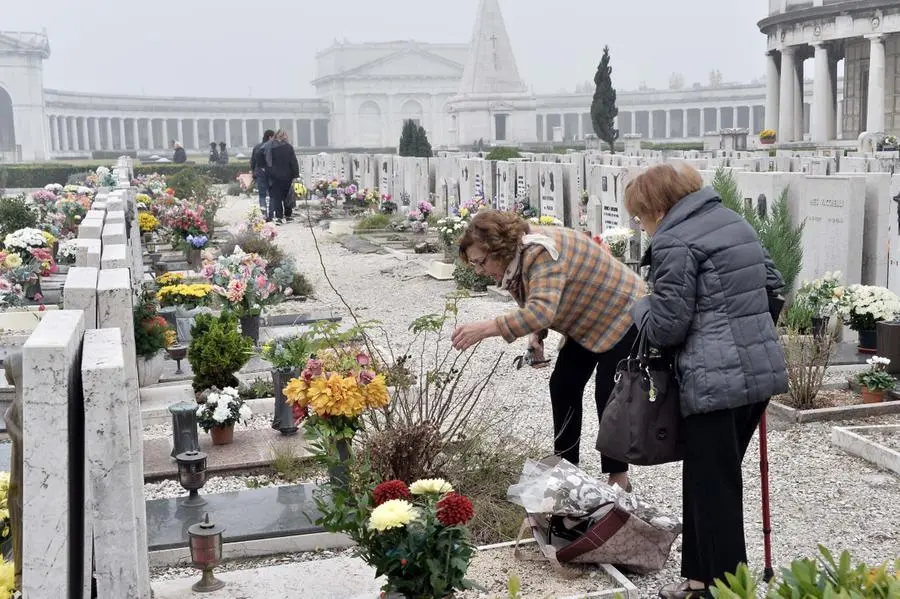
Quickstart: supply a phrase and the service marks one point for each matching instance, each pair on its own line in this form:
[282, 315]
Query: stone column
[228, 132]
[312, 133]
[772, 89]
[294, 131]
[261, 128]
[151, 143]
[822, 109]
[196, 134]
[702, 122]
[751, 121]
[734, 117]
[580, 127]
[668, 125]
[212, 130]
[799, 128]
[786, 95]
[835, 121]
[244, 133]
[875, 109]
[54, 135]
[180, 126]
[73, 133]
[109, 134]
[122, 141]
[84, 141]
[98, 142]
[136, 131]
[684, 122]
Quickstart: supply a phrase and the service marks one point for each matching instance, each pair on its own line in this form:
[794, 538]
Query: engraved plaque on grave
[551, 191]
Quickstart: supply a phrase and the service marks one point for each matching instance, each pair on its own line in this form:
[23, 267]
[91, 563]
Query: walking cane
[776, 303]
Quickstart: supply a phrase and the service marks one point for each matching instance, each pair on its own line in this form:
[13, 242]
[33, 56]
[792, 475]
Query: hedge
[38, 175]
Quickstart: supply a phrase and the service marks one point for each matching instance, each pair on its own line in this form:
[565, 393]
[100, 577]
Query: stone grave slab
[252, 449]
[114, 233]
[247, 515]
[276, 320]
[114, 256]
[337, 578]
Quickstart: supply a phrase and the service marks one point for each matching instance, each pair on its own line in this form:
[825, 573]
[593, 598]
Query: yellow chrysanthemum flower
[13, 261]
[336, 396]
[296, 392]
[49, 237]
[430, 486]
[376, 393]
[395, 513]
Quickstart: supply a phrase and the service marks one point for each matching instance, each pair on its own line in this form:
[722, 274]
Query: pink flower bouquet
[241, 281]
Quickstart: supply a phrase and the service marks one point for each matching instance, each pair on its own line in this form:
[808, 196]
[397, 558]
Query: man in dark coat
[258, 168]
[282, 168]
[180, 156]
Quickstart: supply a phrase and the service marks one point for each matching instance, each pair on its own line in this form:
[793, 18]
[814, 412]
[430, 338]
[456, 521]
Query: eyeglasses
[478, 262]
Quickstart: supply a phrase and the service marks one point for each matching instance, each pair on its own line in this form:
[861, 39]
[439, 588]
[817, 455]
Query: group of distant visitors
[218, 153]
[274, 166]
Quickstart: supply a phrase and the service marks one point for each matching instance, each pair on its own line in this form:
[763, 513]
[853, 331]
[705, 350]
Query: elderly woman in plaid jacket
[564, 281]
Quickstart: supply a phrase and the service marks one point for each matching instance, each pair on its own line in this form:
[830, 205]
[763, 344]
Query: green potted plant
[865, 307]
[875, 381]
[220, 411]
[823, 297]
[152, 335]
[218, 351]
[288, 355]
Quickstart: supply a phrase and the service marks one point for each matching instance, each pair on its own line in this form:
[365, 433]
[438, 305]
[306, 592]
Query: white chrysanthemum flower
[245, 413]
[430, 486]
[221, 414]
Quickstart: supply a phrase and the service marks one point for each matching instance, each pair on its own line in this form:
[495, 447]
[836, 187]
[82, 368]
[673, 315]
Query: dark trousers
[713, 491]
[574, 367]
[278, 191]
[262, 186]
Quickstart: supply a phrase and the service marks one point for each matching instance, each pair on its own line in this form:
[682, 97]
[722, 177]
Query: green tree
[407, 138]
[603, 108]
[778, 234]
[423, 146]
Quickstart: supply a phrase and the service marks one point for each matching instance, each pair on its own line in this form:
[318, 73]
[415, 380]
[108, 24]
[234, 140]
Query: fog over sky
[240, 48]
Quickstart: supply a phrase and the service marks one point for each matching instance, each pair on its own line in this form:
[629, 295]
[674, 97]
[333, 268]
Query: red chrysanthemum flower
[454, 509]
[390, 489]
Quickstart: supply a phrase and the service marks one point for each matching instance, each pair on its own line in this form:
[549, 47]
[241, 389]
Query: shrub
[39, 174]
[15, 214]
[798, 317]
[503, 153]
[466, 278]
[252, 243]
[218, 350]
[189, 183]
[301, 286]
[781, 238]
[151, 331]
[807, 360]
[373, 221]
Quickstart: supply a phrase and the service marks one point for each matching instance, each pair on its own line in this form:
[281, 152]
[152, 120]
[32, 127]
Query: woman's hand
[467, 335]
[537, 344]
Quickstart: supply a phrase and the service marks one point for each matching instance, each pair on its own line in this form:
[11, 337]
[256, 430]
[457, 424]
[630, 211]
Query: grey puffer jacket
[710, 279]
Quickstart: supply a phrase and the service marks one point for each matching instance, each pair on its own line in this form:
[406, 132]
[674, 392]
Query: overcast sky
[267, 48]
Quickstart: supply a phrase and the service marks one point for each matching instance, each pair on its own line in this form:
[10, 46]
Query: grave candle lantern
[192, 476]
[206, 553]
[184, 428]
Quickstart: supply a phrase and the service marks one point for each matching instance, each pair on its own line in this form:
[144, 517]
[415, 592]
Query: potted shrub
[866, 306]
[220, 411]
[152, 335]
[767, 136]
[288, 355]
[875, 381]
[823, 298]
[218, 350]
[416, 536]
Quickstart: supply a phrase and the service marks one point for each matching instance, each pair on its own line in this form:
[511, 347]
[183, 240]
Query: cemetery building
[865, 35]
[461, 93]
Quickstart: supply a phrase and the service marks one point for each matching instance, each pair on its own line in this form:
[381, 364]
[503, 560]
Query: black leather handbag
[641, 423]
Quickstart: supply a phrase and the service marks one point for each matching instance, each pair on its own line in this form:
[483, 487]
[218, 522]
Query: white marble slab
[80, 293]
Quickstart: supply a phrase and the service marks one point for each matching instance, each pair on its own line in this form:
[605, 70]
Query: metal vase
[250, 327]
[339, 474]
[283, 418]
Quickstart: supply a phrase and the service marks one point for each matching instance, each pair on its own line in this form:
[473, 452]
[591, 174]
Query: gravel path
[819, 494]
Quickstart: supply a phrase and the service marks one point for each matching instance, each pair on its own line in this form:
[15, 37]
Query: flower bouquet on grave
[468, 208]
[24, 240]
[44, 200]
[153, 185]
[105, 177]
[147, 223]
[767, 136]
[388, 205]
[255, 224]
[450, 229]
[188, 297]
[220, 411]
[865, 307]
[618, 238]
[416, 222]
[17, 276]
[241, 281]
[522, 205]
[69, 213]
[545, 221]
[415, 536]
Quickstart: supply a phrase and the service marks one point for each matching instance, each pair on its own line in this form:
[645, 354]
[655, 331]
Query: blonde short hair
[656, 190]
[281, 135]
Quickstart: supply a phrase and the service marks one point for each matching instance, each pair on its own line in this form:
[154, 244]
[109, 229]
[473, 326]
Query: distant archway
[7, 123]
[370, 124]
[412, 110]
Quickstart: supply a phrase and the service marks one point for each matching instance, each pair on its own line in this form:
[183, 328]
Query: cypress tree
[603, 107]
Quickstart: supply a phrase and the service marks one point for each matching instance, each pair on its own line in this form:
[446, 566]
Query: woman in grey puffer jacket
[710, 281]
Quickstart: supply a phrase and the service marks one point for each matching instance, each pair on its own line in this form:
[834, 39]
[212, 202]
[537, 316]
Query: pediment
[16, 42]
[408, 63]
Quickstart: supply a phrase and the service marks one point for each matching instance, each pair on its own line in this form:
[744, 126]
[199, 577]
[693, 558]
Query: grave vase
[184, 321]
[222, 435]
[250, 326]
[819, 327]
[339, 473]
[451, 253]
[194, 258]
[150, 369]
[283, 418]
[888, 341]
[868, 341]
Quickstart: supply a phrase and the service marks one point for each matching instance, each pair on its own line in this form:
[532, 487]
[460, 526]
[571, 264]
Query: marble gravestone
[833, 212]
[894, 237]
[612, 197]
[552, 190]
[533, 184]
[763, 190]
[595, 204]
[87, 252]
[877, 221]
[114, 309]
[506, 185]
[573, 179]
[467, 171]
[80, 293]
[110, 461]
[385, 165]
[53, 545]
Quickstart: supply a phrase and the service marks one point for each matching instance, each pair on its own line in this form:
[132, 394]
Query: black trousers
[574, 367]
[713, 491]
[278, 191]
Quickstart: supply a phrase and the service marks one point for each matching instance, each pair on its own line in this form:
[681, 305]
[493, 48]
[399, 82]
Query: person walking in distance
[213, 153]
[282, 168]
[258, 169]
[223, 153]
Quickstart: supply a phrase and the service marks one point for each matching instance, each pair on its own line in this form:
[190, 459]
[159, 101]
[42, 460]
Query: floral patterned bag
[575, 518]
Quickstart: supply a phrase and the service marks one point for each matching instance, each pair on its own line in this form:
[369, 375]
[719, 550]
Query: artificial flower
[430, 486]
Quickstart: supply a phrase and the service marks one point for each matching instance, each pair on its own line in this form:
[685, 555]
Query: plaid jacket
[585, 295]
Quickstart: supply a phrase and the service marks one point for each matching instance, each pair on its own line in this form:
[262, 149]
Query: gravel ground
[818, 493]
[889, 439]
[169, 489]
[164, 431]
[172, 573]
